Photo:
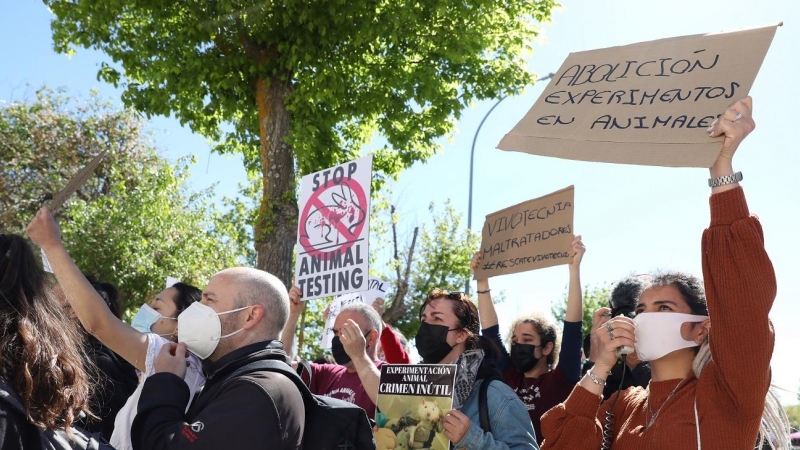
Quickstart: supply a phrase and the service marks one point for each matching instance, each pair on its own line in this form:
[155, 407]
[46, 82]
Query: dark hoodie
[255, 410]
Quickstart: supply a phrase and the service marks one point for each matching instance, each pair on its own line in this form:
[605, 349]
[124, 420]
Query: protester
[694, 400]
[539, 368]
[449, 334]
[117, 377]
[398, 348]
[157, 321]
[43, 367]
[238, 322]
[632, 372]
[340, 380]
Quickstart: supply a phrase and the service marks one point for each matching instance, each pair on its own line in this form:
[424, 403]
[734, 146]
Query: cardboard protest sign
[647, 103]
[333, 230]
[376, 289]
[75, 183]
[531, 235]
[412, 402]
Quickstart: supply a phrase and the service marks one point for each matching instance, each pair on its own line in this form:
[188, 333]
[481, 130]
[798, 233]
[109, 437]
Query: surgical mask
[522, 357]
[337, 350]
[658, 334]
[200, 329]
[145, 317]
[432, 343]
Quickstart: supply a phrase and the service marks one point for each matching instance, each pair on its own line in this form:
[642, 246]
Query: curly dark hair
[468, 319]
[41, 351]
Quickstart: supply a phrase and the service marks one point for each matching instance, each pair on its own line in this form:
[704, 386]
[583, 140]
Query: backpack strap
[272, 365]
[483, 402]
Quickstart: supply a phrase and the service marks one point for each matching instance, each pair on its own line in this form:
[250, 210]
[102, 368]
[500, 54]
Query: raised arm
[355, 345]
[570, 356]
[90, 308]
[296, 305]
[485, 305]
[739, 280]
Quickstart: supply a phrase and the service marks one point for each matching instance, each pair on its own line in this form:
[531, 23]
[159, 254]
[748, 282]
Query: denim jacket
[511, 425]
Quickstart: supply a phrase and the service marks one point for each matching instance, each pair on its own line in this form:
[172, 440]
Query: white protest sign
[171, 282]
[333, 230]
[377, 289]
[46, 263]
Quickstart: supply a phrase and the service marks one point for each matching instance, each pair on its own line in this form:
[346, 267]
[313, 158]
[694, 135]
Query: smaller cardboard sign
[531, 235]
[75, 183]
[412, 402]
[377, 289]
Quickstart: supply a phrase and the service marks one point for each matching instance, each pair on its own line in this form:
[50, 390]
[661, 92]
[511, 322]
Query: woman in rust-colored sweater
[727, 397]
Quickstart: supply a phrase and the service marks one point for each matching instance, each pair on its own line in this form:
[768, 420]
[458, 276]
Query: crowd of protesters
[661, 369]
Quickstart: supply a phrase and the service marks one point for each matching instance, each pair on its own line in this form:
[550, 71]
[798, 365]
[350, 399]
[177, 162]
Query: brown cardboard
[531, 235]
[595, 107]
[75, 183]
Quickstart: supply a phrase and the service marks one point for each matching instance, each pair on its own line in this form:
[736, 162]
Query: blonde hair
[547, 331]
[775, 427]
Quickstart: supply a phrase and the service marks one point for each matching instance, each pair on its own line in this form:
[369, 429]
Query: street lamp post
[472, 161]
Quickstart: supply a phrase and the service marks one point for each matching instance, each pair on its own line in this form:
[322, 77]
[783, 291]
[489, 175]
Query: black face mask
[432, 343]
[522, 356]
[337, 349]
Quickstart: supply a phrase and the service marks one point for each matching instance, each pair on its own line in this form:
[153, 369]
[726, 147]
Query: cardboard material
[333, 230]
[531, 235]
[377, 289]
[647, 103]
[75, 183]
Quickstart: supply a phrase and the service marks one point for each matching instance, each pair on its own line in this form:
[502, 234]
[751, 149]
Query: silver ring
[611, 334]
[609, 327]
[738, 116]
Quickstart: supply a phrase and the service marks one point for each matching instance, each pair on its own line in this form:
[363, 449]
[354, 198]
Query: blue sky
[632, 218]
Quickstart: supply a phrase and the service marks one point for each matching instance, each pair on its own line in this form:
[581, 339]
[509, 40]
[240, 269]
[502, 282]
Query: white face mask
[145, 317]
[200, 329]
[658, 334]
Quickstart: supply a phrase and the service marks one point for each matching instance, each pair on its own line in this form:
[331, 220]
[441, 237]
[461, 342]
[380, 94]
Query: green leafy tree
[793, 412]
[438, 256]
[134, 223]
[593, 299]
[303, 85]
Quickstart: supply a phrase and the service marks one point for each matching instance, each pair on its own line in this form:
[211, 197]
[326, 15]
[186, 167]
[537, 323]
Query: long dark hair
[41, 351]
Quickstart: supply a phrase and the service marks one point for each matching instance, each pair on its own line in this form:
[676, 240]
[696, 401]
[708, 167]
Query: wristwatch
[727, 179]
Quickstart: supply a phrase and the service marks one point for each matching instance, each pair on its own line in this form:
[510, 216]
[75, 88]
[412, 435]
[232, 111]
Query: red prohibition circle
[315, 201]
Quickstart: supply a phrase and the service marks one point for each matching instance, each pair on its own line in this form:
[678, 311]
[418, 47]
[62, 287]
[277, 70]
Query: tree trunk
[276, 226]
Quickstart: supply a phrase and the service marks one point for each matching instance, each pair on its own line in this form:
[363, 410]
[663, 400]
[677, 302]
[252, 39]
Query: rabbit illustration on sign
[324, 225]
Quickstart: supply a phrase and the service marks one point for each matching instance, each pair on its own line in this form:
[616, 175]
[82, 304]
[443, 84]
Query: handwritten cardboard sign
[377, 289]
[75, 183]
[647, 103]
[531, 235]
[333, 230]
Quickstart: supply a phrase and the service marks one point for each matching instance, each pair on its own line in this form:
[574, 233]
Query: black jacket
[15, 430]
[117, 382]
[255, 410]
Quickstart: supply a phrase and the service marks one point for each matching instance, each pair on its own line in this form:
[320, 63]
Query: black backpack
[55, 439]
[331, 424]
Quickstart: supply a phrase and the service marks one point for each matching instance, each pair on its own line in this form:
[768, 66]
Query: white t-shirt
[121, 437]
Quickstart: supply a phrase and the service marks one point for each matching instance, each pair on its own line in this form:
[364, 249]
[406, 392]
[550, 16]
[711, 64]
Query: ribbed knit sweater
[730, 392]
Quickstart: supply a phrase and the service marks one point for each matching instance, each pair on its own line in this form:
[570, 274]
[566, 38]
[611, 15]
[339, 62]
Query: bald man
[238, 321]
